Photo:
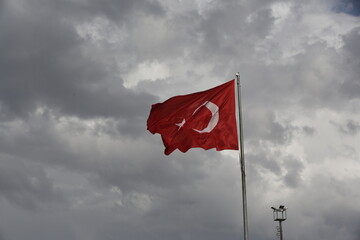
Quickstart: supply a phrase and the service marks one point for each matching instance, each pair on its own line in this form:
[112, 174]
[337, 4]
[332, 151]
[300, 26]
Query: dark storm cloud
[114, 9]
[351, 84]
[127, 168]
[150, 172]
[294, 169]
[87, 9]
[268, 127]
[348, 6]
[343, 217]
[349, 128]
[25, 184]
[43, 65]
[287, 169]
[263, 159]
[73, 142]
[308, 130]
[336, 212]
[223, 31]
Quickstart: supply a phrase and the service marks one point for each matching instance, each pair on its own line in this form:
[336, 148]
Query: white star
[180, 124]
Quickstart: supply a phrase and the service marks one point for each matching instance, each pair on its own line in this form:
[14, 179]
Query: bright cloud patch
[146, 71]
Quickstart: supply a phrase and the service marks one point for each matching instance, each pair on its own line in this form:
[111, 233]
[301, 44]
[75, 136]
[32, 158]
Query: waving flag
[204, 119]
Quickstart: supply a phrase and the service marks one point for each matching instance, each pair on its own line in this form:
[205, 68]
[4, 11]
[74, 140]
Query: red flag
[204, 119]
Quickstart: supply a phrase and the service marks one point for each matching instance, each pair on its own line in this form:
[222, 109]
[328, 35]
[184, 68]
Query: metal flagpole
[241, 158]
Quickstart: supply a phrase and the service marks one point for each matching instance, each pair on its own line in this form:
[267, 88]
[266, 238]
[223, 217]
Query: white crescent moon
[214, 109]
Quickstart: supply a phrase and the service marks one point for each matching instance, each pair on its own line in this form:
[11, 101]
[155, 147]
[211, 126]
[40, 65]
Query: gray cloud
[349, 128]
[351, 85]
[43, 64]
[77, 82]
[26, 184]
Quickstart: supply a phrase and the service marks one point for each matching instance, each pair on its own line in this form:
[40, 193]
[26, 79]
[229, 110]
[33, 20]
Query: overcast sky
[78, 78]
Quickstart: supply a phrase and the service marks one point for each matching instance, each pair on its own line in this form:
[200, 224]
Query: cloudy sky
[78, 78]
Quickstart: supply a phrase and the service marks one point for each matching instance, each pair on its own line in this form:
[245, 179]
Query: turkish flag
[204, 119]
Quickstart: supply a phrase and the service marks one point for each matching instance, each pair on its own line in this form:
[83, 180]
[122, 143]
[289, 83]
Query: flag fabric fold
[204, 119]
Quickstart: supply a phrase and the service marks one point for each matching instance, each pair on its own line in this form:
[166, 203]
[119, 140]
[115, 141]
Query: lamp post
[279, 215]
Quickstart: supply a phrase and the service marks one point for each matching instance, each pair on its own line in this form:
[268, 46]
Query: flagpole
[241, 159]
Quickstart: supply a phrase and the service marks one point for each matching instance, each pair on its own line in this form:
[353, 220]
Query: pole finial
[237, 74]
